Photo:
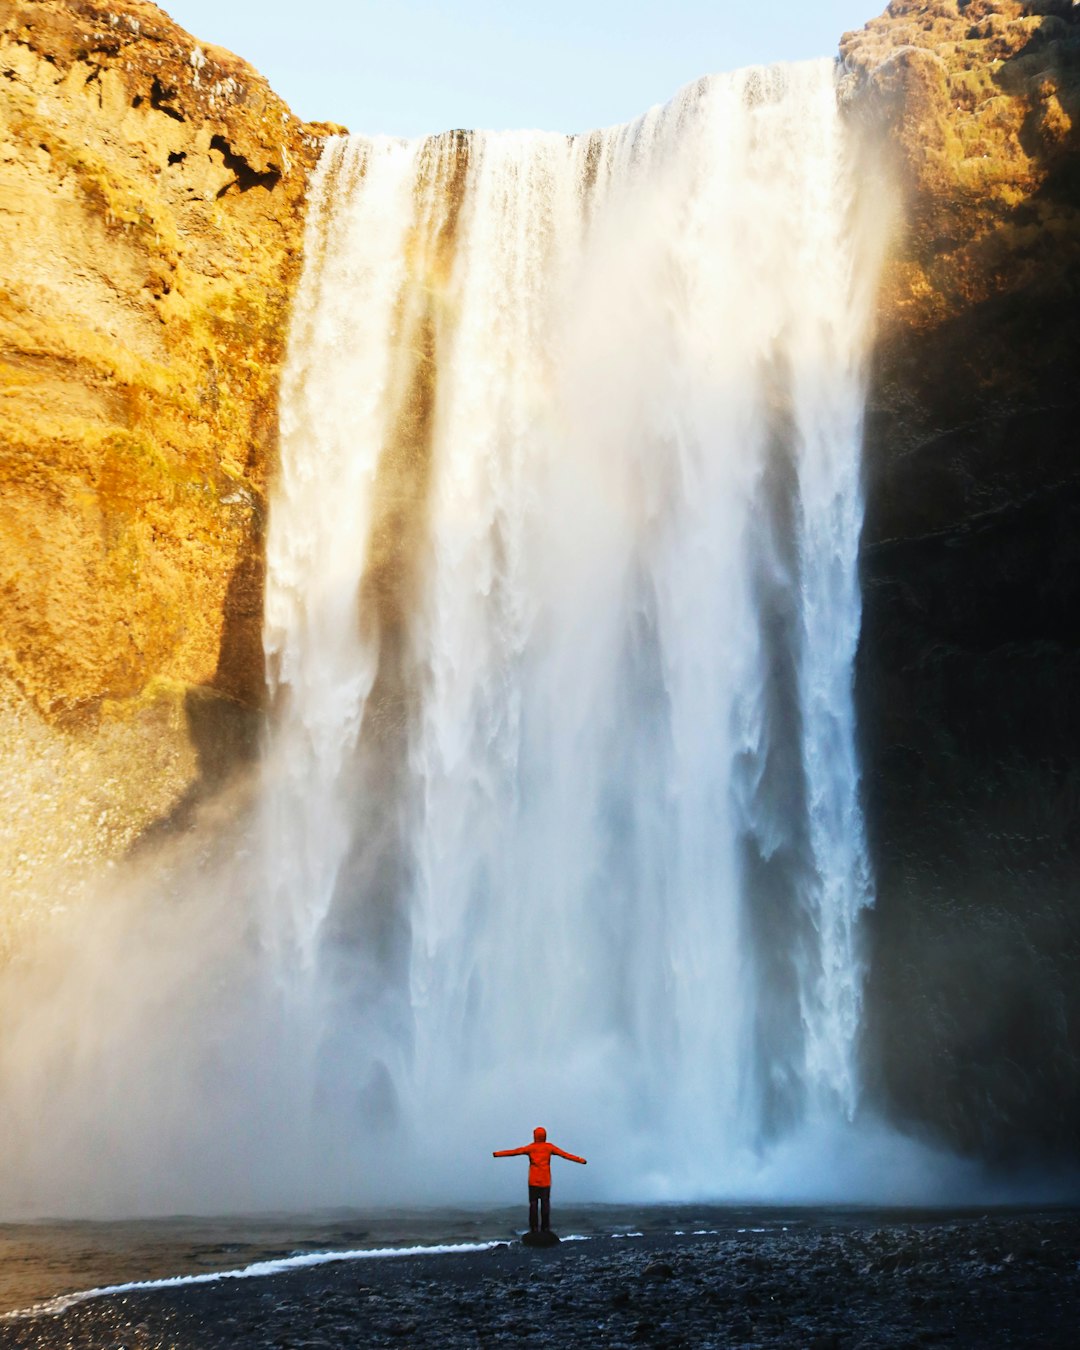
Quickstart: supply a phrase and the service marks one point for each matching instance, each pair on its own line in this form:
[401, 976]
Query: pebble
[820, 1286]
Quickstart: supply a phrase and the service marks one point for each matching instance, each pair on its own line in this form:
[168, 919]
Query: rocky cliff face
[152, 196]
[970, 658]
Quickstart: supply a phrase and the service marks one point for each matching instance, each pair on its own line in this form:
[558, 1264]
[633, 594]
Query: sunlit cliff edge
[152, 194]
[970, 652]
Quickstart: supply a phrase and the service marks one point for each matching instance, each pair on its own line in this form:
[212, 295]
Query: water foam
[562, 608]
[53, 1307]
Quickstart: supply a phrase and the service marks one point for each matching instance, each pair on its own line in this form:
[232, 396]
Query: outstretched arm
[510, 1152]
[570, 1157]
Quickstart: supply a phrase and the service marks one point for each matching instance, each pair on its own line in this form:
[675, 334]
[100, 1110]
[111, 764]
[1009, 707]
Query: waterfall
[561, 819]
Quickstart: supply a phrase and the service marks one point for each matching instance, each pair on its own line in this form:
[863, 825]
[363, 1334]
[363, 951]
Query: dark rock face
[969, 668]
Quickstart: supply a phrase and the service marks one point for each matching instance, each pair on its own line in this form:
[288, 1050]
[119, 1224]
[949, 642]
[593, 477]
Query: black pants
[540, 1195]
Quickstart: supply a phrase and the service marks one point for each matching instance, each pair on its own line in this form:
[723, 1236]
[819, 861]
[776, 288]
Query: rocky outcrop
[152, 195]
[970, 658]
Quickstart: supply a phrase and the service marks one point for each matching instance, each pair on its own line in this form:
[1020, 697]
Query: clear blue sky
[408, 68]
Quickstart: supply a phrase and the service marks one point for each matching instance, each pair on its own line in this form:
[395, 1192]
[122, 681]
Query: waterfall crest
[562, 818]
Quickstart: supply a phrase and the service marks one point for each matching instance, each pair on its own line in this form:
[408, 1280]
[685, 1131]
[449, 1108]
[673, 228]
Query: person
[539, 1154]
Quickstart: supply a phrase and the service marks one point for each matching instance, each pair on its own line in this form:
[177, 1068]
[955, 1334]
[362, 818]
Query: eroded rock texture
[970, 661]
[152, 196]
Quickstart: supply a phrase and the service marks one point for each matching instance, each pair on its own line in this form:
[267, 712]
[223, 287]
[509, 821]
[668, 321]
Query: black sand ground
[857, 1281]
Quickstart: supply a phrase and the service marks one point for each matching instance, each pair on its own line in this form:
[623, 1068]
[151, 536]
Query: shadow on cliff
[969, 664]
[224, 718]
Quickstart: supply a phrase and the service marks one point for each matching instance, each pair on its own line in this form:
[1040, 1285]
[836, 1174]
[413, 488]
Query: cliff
[970, 654]
[151, 213]
[152, 196]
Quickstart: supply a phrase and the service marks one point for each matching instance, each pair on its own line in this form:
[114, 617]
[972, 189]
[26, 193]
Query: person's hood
[539, 1134]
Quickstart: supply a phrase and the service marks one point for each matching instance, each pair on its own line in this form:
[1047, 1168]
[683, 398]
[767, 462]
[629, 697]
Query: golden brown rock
[152, 194]
[977, 102]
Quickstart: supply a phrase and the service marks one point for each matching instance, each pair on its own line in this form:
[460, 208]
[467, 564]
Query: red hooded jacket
[539, 1154]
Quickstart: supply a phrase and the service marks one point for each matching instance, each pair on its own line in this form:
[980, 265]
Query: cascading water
[561, 819]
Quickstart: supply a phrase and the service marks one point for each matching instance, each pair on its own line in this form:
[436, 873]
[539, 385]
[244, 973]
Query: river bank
[826, 1280]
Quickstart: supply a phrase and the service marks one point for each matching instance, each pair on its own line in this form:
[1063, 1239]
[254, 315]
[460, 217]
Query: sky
[407, 68]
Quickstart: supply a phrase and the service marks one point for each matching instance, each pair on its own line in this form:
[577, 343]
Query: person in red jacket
[539, 1154]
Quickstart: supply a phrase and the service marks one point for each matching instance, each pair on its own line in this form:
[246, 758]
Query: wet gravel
[979, 1281]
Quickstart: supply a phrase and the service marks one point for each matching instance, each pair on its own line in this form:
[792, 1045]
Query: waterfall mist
[561, 615]
[558, 815]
